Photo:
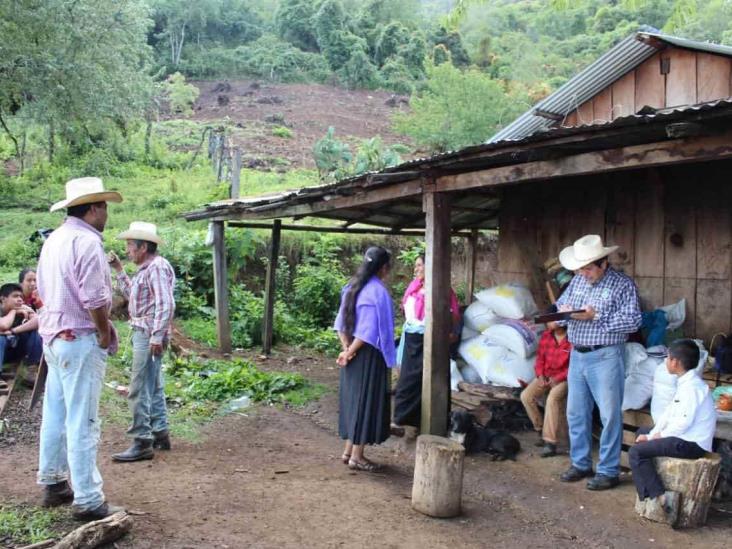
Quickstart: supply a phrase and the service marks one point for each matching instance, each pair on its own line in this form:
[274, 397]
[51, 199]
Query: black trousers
[646, 479]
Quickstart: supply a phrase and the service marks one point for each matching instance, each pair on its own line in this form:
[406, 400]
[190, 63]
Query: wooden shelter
[652, 177]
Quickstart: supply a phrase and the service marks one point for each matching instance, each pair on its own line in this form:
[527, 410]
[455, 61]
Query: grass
[26, 524]
[283, 132]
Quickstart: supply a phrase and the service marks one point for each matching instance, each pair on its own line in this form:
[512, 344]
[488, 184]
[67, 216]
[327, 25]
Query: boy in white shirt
[684, 430]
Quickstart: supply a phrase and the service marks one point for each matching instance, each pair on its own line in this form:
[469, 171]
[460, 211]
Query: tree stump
[694, 480]
[438, 476]
[97, 533]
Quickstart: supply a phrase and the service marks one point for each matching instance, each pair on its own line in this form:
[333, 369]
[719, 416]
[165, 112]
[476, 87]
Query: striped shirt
[615, 300]
[73, 278]
[150, 293]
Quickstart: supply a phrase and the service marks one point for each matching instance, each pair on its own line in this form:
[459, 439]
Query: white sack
[515, 336]
[455, 376]
[468, 333]
[639, 383]
[470, 374]
[497, 365]
[508, 300]
[635, 353]
[478, 316]
[675, 314]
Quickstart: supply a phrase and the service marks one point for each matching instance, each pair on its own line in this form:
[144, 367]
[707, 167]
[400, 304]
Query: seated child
[552, 365]
[684, 430]
[19, 338]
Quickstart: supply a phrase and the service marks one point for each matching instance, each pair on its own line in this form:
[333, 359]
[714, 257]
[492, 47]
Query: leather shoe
[602, 482]
[103, 511]
[161, 440]
[57, 494]
[549, 450]
[573, 474]
[140, 449]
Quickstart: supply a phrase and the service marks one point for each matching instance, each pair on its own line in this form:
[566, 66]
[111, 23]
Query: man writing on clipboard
[611, 311]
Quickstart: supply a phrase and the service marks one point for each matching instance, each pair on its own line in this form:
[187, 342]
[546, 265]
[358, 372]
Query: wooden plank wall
[693, 77]
[673, 226]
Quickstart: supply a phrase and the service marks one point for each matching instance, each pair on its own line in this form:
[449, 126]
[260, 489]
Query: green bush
[270, 58]
[457, 109]
[283, 132]
[180, 95]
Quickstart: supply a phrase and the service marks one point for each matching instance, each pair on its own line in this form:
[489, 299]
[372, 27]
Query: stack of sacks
[640, 370]
[503, 352]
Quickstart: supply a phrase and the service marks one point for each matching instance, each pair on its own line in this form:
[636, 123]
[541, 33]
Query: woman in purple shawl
[365, 325]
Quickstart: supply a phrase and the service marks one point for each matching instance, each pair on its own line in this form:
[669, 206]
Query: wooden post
[235, 173]
[221, 288]
[269, 290]
[470, 260]
[437, 490]
[436, 377]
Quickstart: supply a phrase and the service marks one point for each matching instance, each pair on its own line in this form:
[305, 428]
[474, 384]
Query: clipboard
[556, 317]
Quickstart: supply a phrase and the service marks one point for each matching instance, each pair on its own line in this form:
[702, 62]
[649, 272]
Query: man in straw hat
[151, 308]
[76, 289]
[596, 366]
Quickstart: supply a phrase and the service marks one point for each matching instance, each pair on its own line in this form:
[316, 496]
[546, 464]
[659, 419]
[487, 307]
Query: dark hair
[685, 351]
[152, 247]
[23, 273]
[599, 262]
[80, 210]
[9, 288]
[373, 260]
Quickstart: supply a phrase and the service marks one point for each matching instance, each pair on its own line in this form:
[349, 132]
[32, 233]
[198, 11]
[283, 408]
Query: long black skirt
[364, 400]
[408, 394]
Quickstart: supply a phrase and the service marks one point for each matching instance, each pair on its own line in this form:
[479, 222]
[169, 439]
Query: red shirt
[33, 301]
[552, 357]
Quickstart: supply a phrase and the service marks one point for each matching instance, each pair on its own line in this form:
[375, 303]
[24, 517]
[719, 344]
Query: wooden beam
[221, 288]
[269, 289]
[470, 260]
[677, 151]
[341, 230]
[436, 378]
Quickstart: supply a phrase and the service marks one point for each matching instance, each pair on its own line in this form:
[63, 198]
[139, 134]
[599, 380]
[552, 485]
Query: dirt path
[271, 478]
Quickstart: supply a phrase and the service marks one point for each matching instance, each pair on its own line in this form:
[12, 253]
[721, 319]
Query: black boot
[57, 494]
[140, 449]
[161, 440]
[549, 450]
[103, 511]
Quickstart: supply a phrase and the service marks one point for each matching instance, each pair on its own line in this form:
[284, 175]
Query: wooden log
[694, 480]
[236, 174]
[269, 290]
[436, 378]
[221, 288]
[490, 391]
[438, 476]
[97, 533]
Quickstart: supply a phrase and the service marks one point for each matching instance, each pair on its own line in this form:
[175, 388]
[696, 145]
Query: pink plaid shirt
[150, 292]
[73, 278]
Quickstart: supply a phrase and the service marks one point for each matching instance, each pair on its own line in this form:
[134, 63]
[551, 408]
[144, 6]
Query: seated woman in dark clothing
[365, 325]
[408, 393]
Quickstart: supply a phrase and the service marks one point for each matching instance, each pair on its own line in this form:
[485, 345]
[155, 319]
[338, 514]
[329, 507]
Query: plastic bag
[479, 316]
[497, 365]
[470, 374]
[468, 333]
[508, 300]
[675, 314]
[639, 383]
[514, 335]
[455, 376]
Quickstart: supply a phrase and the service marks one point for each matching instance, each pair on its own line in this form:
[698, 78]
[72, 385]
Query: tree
[293, 21]
[68, 64]
[180, 95]
[458, 108]
[180, 19]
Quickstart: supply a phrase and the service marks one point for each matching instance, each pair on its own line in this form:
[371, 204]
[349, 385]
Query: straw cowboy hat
[584, 251]
[140, 230]
[86, 190]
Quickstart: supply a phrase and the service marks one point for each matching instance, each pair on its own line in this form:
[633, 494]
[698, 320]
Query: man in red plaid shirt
[151, 308]
[552, 365]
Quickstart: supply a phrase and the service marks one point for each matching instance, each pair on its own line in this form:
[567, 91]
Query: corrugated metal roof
[616, 62]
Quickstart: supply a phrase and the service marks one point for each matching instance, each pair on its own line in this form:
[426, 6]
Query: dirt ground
[272, 478]
[307, 109]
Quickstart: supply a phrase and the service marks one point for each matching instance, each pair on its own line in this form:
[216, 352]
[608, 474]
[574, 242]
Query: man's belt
[588, 348]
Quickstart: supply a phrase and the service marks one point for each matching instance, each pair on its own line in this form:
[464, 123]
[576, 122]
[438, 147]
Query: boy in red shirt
[552, 365]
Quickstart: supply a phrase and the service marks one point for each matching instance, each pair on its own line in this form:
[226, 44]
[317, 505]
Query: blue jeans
[147, 395]
[27, 345]
[70, 428]
[596, 377]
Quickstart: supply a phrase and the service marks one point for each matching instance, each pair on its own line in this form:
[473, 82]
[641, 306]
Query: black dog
[499, 444]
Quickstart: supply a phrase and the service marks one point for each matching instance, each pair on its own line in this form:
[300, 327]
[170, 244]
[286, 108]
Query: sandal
[396, 430]
[345, 458]
[364, 465]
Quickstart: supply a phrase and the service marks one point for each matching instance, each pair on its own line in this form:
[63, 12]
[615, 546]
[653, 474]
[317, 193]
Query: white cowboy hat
[584, 251]
[86, 190]
[140, 230]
